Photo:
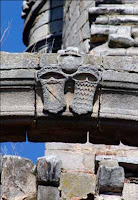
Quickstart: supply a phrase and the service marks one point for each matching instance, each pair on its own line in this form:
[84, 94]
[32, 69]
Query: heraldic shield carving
[54, 77]
[53, 82]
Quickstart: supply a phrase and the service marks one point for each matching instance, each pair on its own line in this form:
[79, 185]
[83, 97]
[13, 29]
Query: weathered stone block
[86, 31]
[129, 163]
[110, 177]
[48, 58]
[119, 63]
[109, 163]
[74, 160]
[18, 180]
[117, 19]
[47, 193]
[115, 105]
[119, 79]
[77, 185]
[18, 101]
[120, 41]
[48, 171]
[99, 33]
[104, 50]
[134, 32]
[108, 197]
[130, 191]
[83, 18]
[19, 60]
[132, 51]
[112, 9]
[20, 77]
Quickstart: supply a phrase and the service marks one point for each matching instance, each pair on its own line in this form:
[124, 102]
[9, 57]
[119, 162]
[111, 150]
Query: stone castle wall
[72, 172]
[76, 29]
[43, 25]
[106, 169]
[48, 21]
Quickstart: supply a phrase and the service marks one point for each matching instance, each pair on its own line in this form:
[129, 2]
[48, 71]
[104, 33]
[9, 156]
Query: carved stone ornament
[70, 60]
[86, 80]
[53, 81]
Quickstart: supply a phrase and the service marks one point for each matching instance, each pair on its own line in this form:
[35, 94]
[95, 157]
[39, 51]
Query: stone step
[99, 33]
[117, 20]
[114, 1]
[117, 9]
[128, 4]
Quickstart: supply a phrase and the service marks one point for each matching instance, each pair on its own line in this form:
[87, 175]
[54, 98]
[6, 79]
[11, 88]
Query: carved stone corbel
[53, 81]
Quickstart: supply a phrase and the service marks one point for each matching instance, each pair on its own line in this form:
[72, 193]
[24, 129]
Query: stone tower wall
[53, 101]
[76, 29]
[43, 25]
[47, 22]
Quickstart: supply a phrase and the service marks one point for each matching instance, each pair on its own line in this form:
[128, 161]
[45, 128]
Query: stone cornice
[115, 102]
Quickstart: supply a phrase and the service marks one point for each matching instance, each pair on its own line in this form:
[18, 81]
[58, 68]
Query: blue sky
[12, 42]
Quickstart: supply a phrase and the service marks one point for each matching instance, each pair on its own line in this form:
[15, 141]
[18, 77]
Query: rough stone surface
[121, 77]
[109, 163]
[121, 63]
[47, 193]
[48, 171]
[75, 157]
[77, 185]
[130, 191]
[76, 19]
[19, 60]
[130, 164]
[19, 77]
[120, 41]
[20, 182]
[53, 88]
[53, 81]
[22, 101]
[108, 197]
[114, 23]
[110, 177]
[126, 110]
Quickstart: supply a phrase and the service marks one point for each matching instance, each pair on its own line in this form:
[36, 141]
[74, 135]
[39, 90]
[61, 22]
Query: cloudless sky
[11, 17]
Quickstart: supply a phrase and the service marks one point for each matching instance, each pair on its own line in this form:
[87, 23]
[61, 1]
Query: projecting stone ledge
[104, 86]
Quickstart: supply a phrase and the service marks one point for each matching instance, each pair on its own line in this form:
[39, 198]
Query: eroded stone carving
[53, 81]
[86, 80]
[70, 60]
[69, 69]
